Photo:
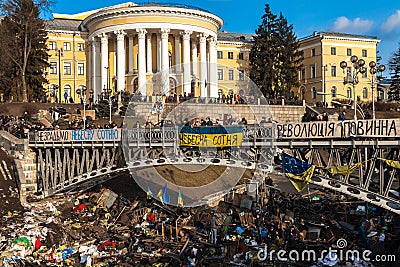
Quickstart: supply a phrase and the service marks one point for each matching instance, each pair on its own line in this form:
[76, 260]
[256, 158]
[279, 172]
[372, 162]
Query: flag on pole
[159, 195]
[299, 172]
[163, 195]
[149, 193]
[180, 199]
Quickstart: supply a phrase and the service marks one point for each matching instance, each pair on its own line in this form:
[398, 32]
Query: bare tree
[23, 44]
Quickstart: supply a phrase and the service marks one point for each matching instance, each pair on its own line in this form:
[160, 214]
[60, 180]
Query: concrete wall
[25, 163]
[253, 113]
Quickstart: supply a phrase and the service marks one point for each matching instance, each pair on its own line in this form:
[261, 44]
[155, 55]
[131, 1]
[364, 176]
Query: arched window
[67, 93]
[314, 92]
[333, 91]
[53, 90]
[365, 92]
[381, 95]
[349, 93]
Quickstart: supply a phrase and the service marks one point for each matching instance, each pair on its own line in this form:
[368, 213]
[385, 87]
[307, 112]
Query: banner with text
[76, 135]
[214, 136]
[338, 129]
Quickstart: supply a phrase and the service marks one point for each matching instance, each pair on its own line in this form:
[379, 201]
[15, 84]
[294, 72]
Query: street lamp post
[373, 69]
[59, 54]
[82, 96]
[351, 76]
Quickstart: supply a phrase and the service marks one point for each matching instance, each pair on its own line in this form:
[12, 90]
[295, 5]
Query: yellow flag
[160, 193]
[392, 163]
[343, 170]
[300, 181]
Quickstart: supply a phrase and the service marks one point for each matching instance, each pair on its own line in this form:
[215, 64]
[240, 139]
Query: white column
[104, 60]
[149, 54]
[186, 62]
[97, 67]
[96, 70]
[213, 67]
[194, 59]
[164, 60]
[158, 52]
[177, 53]
[142, 61]
[120, 60]
[203, 64]
[130, 52]
[89, 77]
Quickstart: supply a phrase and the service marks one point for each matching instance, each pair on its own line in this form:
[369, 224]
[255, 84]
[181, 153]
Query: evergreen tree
[394, 70]
[23, 44]
[274, 58]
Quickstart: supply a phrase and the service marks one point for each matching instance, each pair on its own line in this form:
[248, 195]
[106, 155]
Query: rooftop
[337, 34]
[235, 37]
[63, 24]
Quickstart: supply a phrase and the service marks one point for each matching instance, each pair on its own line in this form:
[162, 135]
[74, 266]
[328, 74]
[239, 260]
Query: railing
[316, 130]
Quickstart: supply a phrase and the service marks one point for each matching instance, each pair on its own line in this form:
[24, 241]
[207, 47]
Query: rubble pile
[102, 228]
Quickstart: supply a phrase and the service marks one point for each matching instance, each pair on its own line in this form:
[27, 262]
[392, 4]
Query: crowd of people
[222, 98]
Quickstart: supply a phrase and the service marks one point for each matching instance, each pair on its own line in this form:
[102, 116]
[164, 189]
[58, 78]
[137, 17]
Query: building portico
[132, 42]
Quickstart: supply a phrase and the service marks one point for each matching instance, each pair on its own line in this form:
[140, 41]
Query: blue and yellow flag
[299, 172]
[163, 195]
[180, 199]
[149, 193]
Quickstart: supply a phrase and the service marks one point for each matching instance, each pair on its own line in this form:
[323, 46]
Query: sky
[365, 17]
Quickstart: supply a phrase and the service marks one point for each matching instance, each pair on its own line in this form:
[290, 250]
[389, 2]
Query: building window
[364, 53]
[219, 54]
[333, 50]
[53, 46]
[349, 52]
[230, 75]
[313, 52]
[313, 71]
[67, 68]
[220, 74]
[53, 67]
[365, 92]
[67, 46]
[241, 56]
[349, 93]
[81, 68]
[333, 71]
[303, 74]
[241, 75]
[230, 55]
[333, 91]
[314, 92]
[81, 47]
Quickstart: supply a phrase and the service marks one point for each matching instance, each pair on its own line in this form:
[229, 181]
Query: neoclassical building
[322, 78]
[121, 47]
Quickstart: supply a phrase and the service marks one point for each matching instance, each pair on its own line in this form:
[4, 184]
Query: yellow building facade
[322, 78]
